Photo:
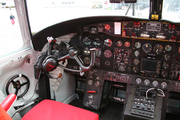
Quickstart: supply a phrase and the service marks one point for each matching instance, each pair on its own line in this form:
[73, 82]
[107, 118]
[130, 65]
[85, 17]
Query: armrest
[8, 101]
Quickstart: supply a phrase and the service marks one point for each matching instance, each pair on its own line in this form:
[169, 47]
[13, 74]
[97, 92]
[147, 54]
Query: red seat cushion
[53, 110]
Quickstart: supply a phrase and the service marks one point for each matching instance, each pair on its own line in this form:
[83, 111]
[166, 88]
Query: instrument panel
[142, 48]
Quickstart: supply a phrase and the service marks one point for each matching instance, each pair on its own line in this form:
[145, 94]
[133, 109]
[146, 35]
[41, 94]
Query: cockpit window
[44, 13]
[171, 10]
[10, 38]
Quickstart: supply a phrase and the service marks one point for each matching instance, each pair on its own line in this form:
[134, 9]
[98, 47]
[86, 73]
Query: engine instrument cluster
[140, 48]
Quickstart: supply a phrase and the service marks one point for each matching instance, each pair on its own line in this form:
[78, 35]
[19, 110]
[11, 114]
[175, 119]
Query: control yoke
[50, 62]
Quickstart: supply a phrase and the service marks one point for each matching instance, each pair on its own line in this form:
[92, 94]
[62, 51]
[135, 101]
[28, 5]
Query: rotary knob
[146, 82]
[163, 85]
[155, 83]
[138, 81]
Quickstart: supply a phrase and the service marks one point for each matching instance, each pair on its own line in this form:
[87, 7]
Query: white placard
[117, 28]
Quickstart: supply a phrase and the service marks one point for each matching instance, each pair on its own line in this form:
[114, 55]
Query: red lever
[6, 104]
[91, 91]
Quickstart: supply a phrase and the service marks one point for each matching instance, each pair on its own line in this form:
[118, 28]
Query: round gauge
[146, 47]
[118, 59]
[136, 53]
[107, 27]
[90, 82]
[107, 63]
[164, 74]
[93, 30]
[119, 43]
[87, 51]
[107, 53]
[137, 45]
[96, 41]
[146, 82]
[108, 42]
[165, 65]
[167, 57]
[87, 60]
[158, 48]
[135, 69]
[138, 81]
[87, 41]
[98, 53]
[97, 83]
[100, 28]
[127, 44]
[136, 61]
[122, 67]
[168, 48]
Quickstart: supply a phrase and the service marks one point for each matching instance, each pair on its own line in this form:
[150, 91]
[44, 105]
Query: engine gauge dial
[87, 60]
[87, 41]
[136, 53]
[127, 44]
[107, 53]
[100, 28]
[158, 48]
[135, 69]
[137, 45]
[168, 48]
[119, 43]
[136, 61]
[108, 42]
[107, 27]
[96, 41]
[87, 51]
[90, 82]
[165, 65]
[93, 30]
[147, 47]
[167, 57]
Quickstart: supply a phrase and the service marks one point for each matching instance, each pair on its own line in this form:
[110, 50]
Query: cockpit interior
[119, 67]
